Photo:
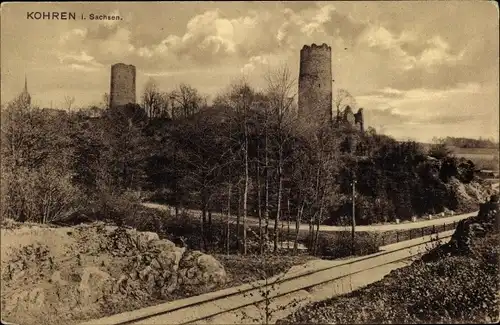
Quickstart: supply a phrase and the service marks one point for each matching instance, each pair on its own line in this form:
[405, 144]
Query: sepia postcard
[249, 162]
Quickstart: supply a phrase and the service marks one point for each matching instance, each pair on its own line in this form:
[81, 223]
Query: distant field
[483, 152]
[475, 155]
[483, 158]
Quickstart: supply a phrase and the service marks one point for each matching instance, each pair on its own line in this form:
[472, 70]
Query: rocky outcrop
[105, 266]
[468, 194]
[487, 220]
[196, 268]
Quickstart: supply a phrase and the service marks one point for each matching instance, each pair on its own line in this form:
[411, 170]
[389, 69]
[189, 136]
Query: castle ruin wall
[122, 88]
[315, 83]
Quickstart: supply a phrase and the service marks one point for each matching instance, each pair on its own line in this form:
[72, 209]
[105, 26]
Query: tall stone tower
[315, 83]
[122, 90]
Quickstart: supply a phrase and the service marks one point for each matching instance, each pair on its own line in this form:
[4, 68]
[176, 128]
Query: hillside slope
[454, 283]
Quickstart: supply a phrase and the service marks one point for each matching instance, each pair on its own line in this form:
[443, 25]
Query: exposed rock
[460, 242]
[144, 238]
[196, 268]
[94, 285]
[89, 268]
[468, 195]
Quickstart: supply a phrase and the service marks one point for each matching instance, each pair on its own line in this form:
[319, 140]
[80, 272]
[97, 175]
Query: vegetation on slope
[483, 152]
[469, 143]
[454, 283]
[246, 154]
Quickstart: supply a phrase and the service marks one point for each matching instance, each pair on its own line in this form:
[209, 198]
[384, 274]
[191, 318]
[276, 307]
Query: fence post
[422, 231]
[444, 226]
[397, 236]
[410, 233]
[433, 229]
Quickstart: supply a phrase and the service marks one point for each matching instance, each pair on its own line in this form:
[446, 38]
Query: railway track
[246, 303]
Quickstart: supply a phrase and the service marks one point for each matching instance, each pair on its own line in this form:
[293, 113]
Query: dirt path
[252, 221]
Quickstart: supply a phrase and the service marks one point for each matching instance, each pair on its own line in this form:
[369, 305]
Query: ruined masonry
[315, 88]
[315, 83]
[122, 88]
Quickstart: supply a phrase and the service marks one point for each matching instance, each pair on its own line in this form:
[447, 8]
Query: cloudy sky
[419, 69]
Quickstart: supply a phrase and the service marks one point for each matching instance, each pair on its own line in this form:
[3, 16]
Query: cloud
[104, 42]
[386, 116]
[111, 23]
[414, 73]
[366, 54]
[323, 15]
[117, 44]
[438, 53]
[207, 34]
[388, 92]
[452, 119]
[81, 67]
[394, 97]
[144, 52]
[78, 61]
[79, 33]
[253, 63]
[82, 57]
[396, 108]
[211, 38]
[413, 61]
[312, 25]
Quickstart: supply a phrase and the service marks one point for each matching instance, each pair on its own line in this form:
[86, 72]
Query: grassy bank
[455, 283]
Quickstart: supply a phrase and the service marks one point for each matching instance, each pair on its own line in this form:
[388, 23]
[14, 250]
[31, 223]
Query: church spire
[25, 96]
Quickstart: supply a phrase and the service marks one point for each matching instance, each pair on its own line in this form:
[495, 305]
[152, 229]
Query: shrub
[37, 183]
[39, 195]
[339, 244]
[440, 151]
[466, 170]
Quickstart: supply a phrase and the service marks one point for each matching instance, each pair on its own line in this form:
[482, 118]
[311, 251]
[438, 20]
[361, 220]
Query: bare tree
[187, 101]
[245, 192]
[341, 101]
[68, 102]
[36, 158]
[154, 101]
[245, 95]
[240, 98]
[280, 86]
[105, 101]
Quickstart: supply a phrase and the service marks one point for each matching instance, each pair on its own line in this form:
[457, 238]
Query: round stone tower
[315, 83]
[122, 90]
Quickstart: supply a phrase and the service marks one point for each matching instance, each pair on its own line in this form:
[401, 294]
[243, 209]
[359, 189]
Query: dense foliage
[248, 154]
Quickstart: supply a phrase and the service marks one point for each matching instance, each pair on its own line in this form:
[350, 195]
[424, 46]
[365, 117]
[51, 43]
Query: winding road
[420, 223]
[252, 221]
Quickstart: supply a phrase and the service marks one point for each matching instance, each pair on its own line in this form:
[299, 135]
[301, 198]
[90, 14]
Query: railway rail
[234, 305]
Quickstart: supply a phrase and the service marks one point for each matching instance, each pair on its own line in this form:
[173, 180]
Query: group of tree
[179, 103]
[247, 154]
[468, 142]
